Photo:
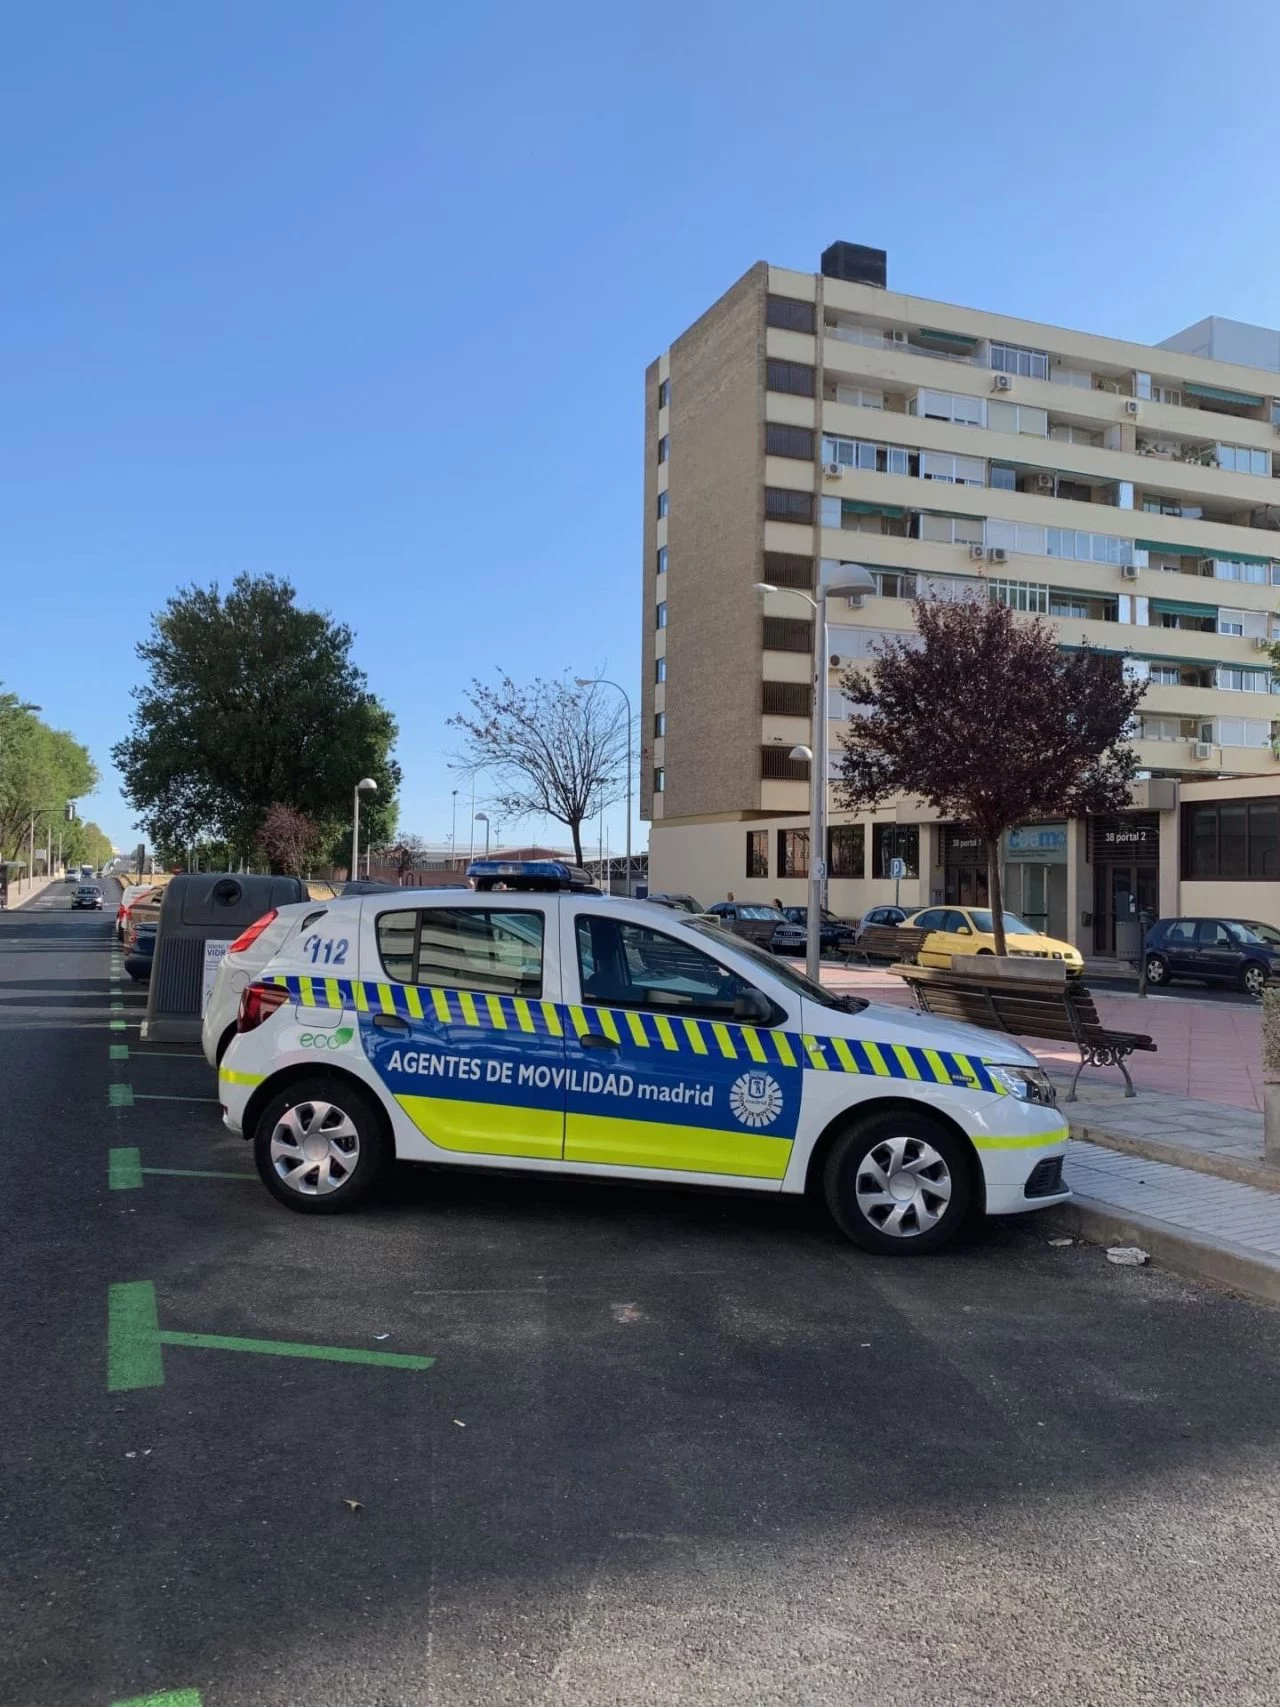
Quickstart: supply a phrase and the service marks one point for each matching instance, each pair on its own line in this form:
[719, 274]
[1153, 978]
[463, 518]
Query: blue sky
[363, 294]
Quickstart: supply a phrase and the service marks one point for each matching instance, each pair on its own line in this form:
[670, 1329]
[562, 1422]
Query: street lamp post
[603, 681]
[483, 818]
[453, 830]
[847, 580]
[366, 785]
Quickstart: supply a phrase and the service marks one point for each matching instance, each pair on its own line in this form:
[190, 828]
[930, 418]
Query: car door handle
[597, 1040]
[390, 1022]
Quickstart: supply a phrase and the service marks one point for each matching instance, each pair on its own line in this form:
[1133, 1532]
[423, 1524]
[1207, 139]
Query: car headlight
[1028, 1084]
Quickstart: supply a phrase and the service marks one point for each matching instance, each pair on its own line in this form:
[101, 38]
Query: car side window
[953, 921]
[1181, 932]
[493, 951]
[625, 965]
[1213, 935]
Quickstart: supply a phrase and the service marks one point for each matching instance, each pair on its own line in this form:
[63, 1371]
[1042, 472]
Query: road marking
[116, 1024]
[115, 1006]
[135, 1342]
[149, 1096]
[166, 1698]
[169, 1054]
[119, 1096]
[125, 1171]
[118, 1052]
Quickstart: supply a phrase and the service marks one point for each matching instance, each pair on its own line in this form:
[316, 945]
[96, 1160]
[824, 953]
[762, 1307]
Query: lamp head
[801, 753]
[367, 785]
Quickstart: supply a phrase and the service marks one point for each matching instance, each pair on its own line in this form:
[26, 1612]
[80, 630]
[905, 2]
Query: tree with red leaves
[988, 720]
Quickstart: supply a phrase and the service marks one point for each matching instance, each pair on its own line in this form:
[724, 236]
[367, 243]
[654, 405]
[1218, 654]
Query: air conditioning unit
[1129, 571]
[1261, 643]
[1002, 382]
[835, 661]
[1201, 750]
[1044, 483]
[977, 553]
[998, 554]
[1131, 406]
[833, 470]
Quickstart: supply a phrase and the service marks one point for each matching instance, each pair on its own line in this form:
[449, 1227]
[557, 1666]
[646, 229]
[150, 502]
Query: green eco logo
[336, 1039]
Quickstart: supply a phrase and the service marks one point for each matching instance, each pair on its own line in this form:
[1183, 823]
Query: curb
[1260, 1174]
[1195, 1256]
[31, 895]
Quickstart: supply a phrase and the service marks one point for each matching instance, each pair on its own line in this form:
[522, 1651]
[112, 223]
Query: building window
[1020, 595]
[788, 315]
[895, 841]
[1237, 838]
[664, 393]
[793, 853]
[663, 503]
[874, 458]
[788, 569]
[782, 440]
[662, 614]
[659, 780]
[662, 560]
[660, 669]
[787, 634]
[955, 470]
[664, 447]
[757, 853]
[794, 378]
[1012, 358]
[944, 406]
[860, 396]
[846, 850]
[1241, 460]
[659, 725]
[783, 505]
[1017, 418]
[777, 765]
[786, 699]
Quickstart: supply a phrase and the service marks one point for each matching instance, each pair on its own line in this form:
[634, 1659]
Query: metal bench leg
[1128, 1082]
[1071, 1094]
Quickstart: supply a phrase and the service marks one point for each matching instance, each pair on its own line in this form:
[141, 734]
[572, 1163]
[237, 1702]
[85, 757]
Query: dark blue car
[1242, 952]
[837, 936]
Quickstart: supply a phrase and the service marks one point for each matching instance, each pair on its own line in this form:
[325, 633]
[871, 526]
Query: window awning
[963, 338]
[1218, 394]
[1180, 607]
[1171, 550]
[855, 507]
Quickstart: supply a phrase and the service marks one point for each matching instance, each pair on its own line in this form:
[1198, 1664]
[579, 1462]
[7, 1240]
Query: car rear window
[493, 950]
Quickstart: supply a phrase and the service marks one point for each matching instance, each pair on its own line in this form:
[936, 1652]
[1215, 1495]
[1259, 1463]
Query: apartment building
[1129, 494]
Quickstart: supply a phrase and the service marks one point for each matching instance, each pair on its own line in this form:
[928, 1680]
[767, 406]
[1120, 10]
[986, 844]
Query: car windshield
[1255, 931]
[759, 913]
[984, 921]
[795, 981]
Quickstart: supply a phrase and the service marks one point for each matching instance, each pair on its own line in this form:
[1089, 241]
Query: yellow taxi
[958, 931]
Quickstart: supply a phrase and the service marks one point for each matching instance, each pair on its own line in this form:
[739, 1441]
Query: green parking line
[118, 1052]
[166, 1698]
[116, 1005]
[135, 1343]
[198, 1173]
[134, 1358]
[124, 1170]
[150, 1096]
[116, 1024]
[119, 1096]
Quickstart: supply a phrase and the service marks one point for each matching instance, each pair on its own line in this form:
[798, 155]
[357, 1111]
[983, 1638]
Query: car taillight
[259, 1002]
[254, 931]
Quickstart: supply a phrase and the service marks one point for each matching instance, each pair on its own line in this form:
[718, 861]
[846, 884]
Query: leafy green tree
[249, 702]
[41, 769]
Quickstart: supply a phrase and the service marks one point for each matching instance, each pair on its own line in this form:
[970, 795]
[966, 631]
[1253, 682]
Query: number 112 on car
[326, 951]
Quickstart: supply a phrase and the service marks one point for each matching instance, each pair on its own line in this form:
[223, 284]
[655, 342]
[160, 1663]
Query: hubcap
[1254, 980]
[1155, 971]
[903, 1187]
[315, 1148]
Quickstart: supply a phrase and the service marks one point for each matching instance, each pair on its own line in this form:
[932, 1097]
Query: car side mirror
[752, 1007]
[963, 930]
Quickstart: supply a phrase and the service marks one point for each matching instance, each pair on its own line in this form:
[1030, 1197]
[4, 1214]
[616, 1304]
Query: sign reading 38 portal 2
[504, 1076]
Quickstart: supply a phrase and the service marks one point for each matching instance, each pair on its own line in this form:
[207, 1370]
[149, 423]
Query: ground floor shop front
[1182, 849]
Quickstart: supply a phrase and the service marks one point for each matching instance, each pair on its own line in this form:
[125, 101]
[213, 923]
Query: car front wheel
[1157, 969]
[320, 1146]
[899, 1183]
[1254, 978]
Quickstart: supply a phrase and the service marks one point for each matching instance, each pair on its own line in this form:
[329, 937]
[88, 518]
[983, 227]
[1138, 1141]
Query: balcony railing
[878, 340]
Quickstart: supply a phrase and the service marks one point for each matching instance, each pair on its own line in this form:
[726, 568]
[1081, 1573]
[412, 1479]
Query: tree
[988, 720]
[41, 769]
[405, 853]
[552, 750]
[251, 701]
[289, 840]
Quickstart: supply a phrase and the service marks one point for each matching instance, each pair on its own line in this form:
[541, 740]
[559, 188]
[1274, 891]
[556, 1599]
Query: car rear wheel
[1157, 969]
[1254, 978]
[899, 1183]
[320, 1146]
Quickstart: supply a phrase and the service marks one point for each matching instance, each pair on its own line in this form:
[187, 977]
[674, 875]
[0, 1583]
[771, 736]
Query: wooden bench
[1059, 1009]
[887, 942]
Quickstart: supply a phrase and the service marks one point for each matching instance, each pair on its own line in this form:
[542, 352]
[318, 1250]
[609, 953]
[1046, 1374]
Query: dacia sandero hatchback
[536, 1027]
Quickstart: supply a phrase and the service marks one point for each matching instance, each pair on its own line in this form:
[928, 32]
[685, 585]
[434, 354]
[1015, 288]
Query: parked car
[788, 938]
[141, 956]
[1221, 951]
[880, 916]
[754, 920]
[681, 903]
[838, 936]
[958, 932]
[87, 895]
[132, 893]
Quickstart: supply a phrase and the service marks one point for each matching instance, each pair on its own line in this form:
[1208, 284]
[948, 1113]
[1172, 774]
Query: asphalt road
[674, 1448]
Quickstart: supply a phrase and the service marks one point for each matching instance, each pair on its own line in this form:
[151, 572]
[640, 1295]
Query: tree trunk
[576, 827]
[995, 898]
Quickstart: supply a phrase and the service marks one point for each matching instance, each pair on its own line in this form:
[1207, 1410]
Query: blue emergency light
[530, 874]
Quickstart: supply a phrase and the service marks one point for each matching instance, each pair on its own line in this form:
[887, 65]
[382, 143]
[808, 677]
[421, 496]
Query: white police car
[537, 1027]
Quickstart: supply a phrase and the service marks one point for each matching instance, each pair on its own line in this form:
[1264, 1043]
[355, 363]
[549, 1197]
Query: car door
[665, 1072]
[462, 1027]
[933, 950]
[1178, 946]
[1218, 956]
